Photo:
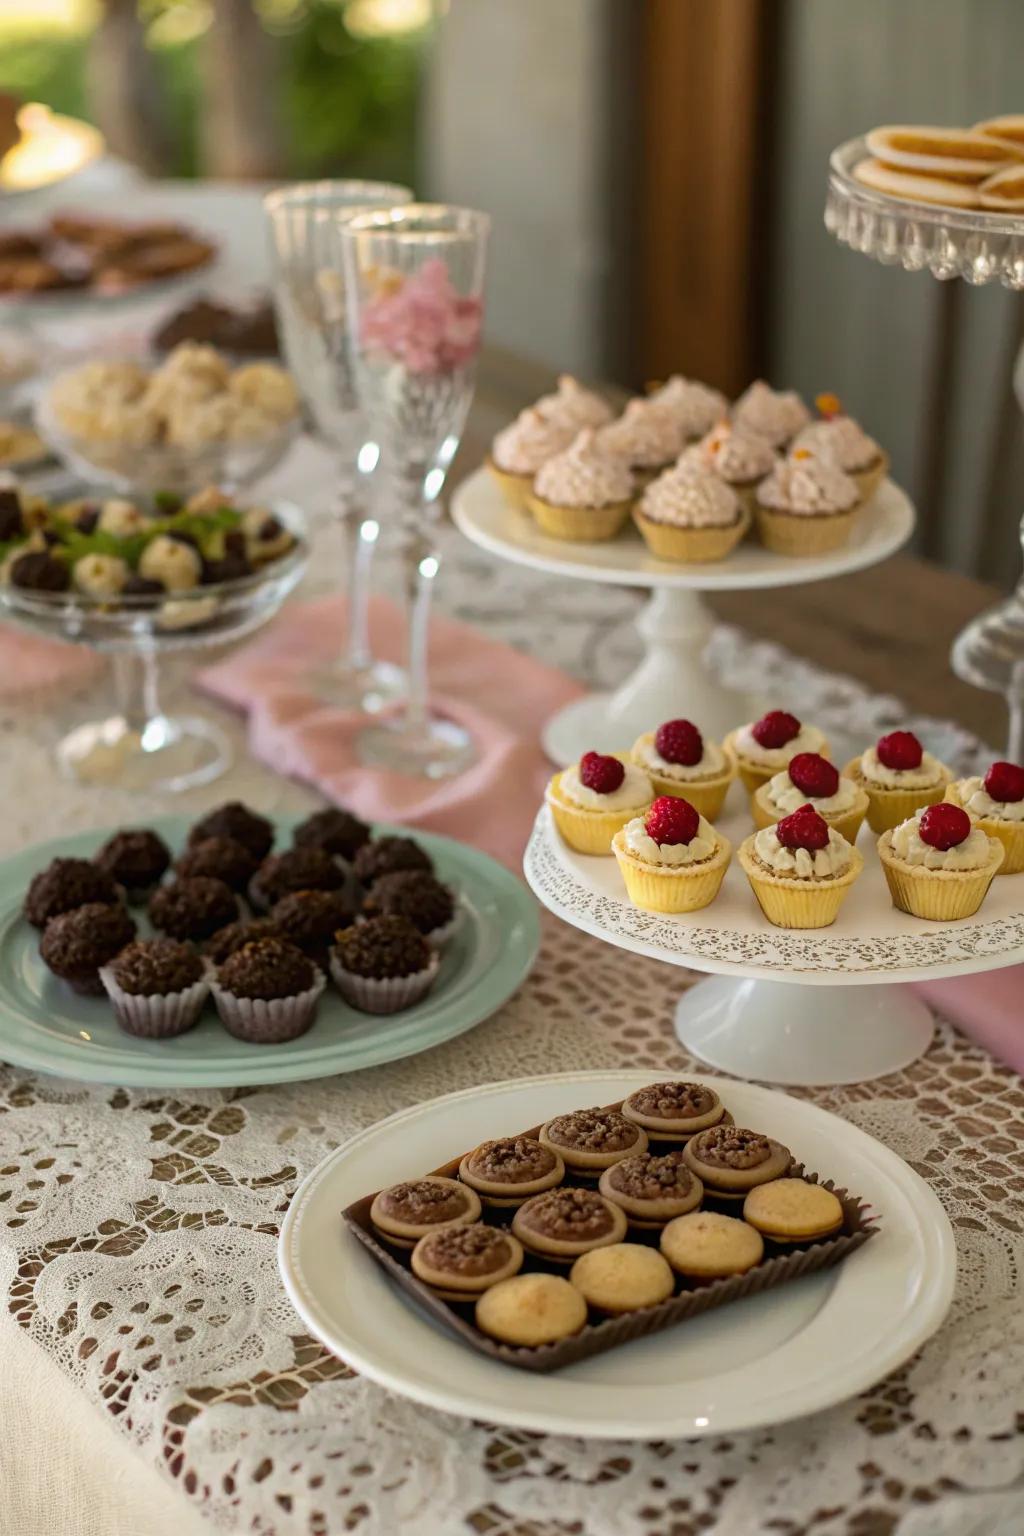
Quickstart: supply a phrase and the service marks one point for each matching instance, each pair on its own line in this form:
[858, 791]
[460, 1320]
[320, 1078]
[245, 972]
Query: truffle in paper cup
[266, 1021]
[158, 1017]
[388, 994]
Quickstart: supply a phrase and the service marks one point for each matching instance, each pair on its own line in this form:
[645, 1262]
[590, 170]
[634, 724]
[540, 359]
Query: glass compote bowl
[305, 224]
[414, 280]
[138, 745]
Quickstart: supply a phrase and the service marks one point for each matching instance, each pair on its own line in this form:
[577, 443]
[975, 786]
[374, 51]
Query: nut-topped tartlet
[459, 1263]
[405, 1212]
[997, 804]
[563, 1223]
[730, 1159]
[508, 1171]
[652, 1188]
[899, 777]
[679, 760]
[590, 1140]
[672, 1112]
[810, 779]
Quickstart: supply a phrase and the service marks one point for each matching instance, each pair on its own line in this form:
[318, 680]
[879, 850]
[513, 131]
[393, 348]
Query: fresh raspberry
[601, 774]
[900, 749]
[944, 826]
[679, 741]
[1005, 782]
[671, 819]
[803, 829]
[775, 728]
[814, 775]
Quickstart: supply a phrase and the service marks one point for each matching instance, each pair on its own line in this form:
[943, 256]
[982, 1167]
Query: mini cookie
[673, 1112]
[507, 1172]
[651, 1189]
[793, 1211]
[590, 1140]
[730, 1160]
[706, 1246]
[622, 1278]
[563, 1223]
[530, 1310]
[459, 1263]
[404, 1213]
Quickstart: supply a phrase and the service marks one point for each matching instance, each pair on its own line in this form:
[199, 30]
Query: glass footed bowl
[138, 745]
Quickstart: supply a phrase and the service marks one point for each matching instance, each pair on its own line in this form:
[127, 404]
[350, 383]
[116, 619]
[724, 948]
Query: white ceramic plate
[792, 1351]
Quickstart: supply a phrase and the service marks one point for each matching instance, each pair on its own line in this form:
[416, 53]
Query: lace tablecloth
[138, 1230]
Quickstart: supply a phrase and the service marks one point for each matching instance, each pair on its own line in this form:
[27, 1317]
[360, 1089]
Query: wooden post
[240, 133]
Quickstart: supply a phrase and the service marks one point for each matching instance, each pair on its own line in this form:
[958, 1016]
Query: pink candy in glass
[425, 323]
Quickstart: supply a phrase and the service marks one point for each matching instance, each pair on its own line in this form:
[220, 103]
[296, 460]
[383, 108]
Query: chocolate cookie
[590, 1140]
[508, 1171]
[561, 1224]
[460, 1263]
[673, 1112]
[405, 1212]
[729, 1160]
[652, 1189]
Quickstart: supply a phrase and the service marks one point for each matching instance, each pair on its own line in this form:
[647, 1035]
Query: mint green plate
[45, 1026]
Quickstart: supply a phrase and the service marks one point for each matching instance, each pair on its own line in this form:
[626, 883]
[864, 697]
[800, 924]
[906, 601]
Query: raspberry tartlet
[764, 747]
[997, 804]
[806, 505]
[838, 436]
[595, 798]
[812, 779]
[899, 778]
[800, 870]
[679, 760]
[584, 493]
[939, 864]
[690, 514]
[671, 859]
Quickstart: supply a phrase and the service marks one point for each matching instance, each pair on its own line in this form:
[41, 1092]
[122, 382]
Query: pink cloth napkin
[31, 664]
[501, 696]
[986, 1007]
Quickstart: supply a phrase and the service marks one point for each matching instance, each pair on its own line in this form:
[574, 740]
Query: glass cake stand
[980, 248]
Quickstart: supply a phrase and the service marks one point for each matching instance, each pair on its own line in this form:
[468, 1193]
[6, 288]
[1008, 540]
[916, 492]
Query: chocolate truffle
[310, 919]
[194, 908]
[39, 571]
[226, 940]
[387, 855]
[136, 859]
[75, 944]
[382, 948]
[236, 820]
[334, 830]
[156, 967]
[414, 894]
[266, 968]
[298, 869]
[67, 883]
[222, 857]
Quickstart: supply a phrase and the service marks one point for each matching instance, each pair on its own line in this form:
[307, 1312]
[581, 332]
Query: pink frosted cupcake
[647, 436]
[689, 513]
[519, 450]
[583, 493]
[696, 406]
[740, 458]
[838, 437]
[806, 505]
[776, 415]
[572, 405]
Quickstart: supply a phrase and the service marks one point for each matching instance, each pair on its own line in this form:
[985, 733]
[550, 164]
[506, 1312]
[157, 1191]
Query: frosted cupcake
[764, 747]
[805, 506]
[647, 436]
[740, 458]
[811, 780]
[775, 415]
[695, 406]
[519, 450]
[899, 777]
[678, 760]
[583, 492]
[594, 798]
[997, 804]
[838, 437]
[939, 864]
[800, 870]
[688, 513]
[671, 859]
[572, 405]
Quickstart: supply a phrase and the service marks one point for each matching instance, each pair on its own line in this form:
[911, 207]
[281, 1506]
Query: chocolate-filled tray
[777, 1268]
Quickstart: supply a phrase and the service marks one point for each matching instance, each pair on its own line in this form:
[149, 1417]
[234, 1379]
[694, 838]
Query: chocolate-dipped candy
[509, 1170]
[561, 1224]
[67, 883]
[237, 821]
[412, 893]
[136, 858]
[312, 919]
[405, 1212]
[335, 830]
[223, 858]
[157, 988]
[194, 908]
[75, 944]
[590, 1140]
[672, 1112]
[460, 1263]
[383, 965]
[297, 869]
[267, 992]
[388, 855]
[652, 1188]
[729, 1160]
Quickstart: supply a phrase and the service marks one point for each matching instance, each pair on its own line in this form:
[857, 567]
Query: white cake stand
[673, 677]
[816, 1006]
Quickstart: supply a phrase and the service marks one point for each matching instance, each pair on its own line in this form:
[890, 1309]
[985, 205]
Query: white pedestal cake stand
[673, 677]
[789, 1006]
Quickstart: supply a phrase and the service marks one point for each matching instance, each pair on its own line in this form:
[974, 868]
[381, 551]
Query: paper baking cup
[1009, 833]
[514, 488]
[671, 890]
[800, 534]
[887, 808]
[846, 823]
[707, 796]
[155, 1018]
[868, 480]
[587, 831]
[939, 895]
[792, 903]
[439, 937]
[372, 994]
[582, 524]
[667, 541]
[267, 1021]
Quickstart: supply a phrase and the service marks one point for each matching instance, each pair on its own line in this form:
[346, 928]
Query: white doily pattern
[138, 1229]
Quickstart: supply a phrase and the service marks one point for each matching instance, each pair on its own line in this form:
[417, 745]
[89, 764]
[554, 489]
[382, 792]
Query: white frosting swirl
[840, 439]
[807, 739]
[573, 406]
[583, 475]
[803, 863]
[529, 441]
[926, 776]
[775, 415]
[908, 844]
[975, 798]
[808, 486]
[690, 497]
[739, 457]
[696, 406]
[646, 435]
[634, 791]
[712, 762]
[784, 797]
[702, 845]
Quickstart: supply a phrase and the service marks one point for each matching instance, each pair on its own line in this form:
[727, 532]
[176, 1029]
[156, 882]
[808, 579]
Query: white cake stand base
[804, 1036]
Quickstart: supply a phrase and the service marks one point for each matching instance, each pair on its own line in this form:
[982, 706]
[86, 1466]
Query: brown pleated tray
[595, 1337]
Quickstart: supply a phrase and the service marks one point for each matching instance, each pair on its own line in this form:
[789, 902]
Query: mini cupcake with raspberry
[997, 804]
[837, 436]
[690, 514]
[939, 864]
[678, 760]
[806, 505]
[800, 870]
[775, 415]
[766, 746]
[740, 458]
[899, 778]
[671, 859]
[584, 493]
[812, 779]
[594, 798]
